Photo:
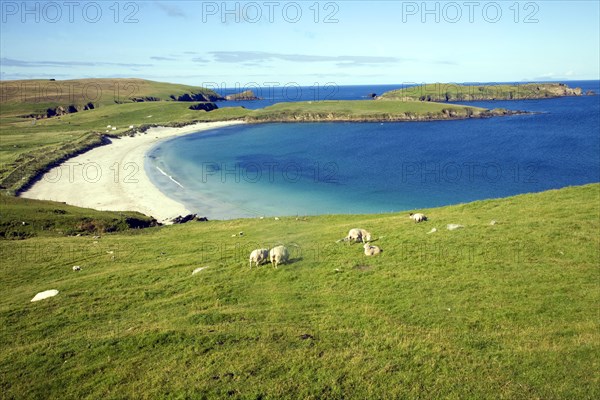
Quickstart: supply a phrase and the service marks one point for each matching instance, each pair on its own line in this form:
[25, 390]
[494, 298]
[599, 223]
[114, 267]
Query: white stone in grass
[194, 272]
[453, 227]
[432, 231]
[44, 295]
[493, 222]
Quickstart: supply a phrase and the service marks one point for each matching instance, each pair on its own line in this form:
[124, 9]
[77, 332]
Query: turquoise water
[326, 168]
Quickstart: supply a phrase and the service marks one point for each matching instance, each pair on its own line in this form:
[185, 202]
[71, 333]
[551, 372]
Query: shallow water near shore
[337, 168]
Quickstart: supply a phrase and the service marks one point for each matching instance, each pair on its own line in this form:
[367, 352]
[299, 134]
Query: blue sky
[304, 42]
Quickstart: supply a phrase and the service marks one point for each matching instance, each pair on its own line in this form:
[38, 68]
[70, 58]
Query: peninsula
[443, 92]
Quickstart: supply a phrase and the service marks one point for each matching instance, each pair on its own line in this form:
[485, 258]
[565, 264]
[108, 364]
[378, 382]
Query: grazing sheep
[259, 256]
[418, 217]
[76, 268]
[358, 235]
[279, 255]
[371, 250]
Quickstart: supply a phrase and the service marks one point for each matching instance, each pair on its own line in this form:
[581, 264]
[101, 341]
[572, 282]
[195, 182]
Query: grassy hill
[490, 311]
[454, 92]
[28, 96]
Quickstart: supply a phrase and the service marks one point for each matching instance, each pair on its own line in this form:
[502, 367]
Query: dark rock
[144, 99]
[188, 218]
[196, 97]
[372, 95]
[204, 106]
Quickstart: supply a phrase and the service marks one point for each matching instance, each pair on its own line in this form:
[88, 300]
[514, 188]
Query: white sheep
[278, 255]
[418, 217]
[358, 235]
[371, 250]
[259, 256]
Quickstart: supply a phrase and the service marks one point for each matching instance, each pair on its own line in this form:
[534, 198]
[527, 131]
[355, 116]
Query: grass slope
[455, 92]
[504, 311]
[23, 218]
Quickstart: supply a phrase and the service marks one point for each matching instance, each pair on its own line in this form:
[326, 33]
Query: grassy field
[505, 311]
[362, 110]
[454, 92]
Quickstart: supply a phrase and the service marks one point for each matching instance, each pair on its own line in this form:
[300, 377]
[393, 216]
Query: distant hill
[454, 92]
[47, 98]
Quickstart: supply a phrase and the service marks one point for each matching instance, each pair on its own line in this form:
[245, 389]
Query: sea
[299, 169]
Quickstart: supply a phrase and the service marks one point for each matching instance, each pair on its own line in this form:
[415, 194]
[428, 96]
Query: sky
[242, 43]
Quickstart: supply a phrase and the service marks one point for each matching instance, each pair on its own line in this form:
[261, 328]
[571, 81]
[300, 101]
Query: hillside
[453, 92]
[489, 311]
[22, 96]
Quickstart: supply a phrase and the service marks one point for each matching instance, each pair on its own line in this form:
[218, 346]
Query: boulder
[204, 106]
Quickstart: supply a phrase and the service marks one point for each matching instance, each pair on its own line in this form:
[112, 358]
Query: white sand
[113, 177]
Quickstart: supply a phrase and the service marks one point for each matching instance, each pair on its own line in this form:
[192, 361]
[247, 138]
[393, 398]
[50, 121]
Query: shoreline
[113, 177]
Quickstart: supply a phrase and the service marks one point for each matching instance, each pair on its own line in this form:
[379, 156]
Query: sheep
[278, 255]
[259, 256]
[358, 235]
[371, 250]
[418, 217]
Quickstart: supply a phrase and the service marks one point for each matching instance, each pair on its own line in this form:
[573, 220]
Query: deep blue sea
[337, 168]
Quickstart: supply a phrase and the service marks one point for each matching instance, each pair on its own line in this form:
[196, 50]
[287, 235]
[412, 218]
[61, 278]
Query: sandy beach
[113, 177]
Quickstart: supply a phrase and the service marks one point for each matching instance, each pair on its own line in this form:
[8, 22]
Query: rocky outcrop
[60, 110]
[245, 95]
[188, 218]
[204, 106]
[196, 97]
[144, 99]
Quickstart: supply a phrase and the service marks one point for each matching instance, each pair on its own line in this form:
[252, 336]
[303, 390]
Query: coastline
[113, 177]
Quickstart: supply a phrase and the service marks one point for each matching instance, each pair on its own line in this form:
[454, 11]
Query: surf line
[170, 177]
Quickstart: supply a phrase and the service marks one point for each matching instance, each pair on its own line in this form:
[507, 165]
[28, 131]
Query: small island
[243, 96]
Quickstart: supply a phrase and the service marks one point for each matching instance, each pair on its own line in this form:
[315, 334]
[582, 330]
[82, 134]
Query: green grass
[362, 110]
[455, 92]
[504, 311]
[24, 218]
